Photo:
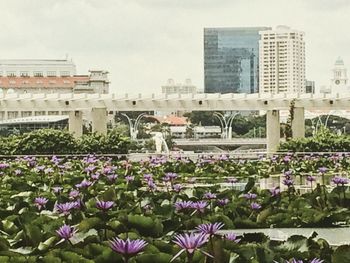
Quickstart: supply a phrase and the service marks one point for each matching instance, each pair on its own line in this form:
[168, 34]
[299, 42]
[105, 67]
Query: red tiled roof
[41, 82]
[173, 120]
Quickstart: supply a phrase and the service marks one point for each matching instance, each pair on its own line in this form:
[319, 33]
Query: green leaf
[46, 244]
[341, 254]
[88, 223]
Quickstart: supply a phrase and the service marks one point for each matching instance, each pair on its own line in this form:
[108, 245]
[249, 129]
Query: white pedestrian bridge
[99, 104]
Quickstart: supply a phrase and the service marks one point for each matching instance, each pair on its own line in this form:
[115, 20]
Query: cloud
[144, 42]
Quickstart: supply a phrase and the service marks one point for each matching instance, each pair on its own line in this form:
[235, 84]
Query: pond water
[334, 236]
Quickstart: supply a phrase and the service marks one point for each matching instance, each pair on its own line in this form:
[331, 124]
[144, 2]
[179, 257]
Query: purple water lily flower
[340, 180]
[250, 196]
[84, 184]
[171, 176]
[95, 176]
[112, 177]
[4, 165]
[104, 205]
[199, 206]
[90, 169]
[129, 178]
[293, 260]
[210, 229]
[57, 189]
[232, 237]
[148, 177]
[288, 173]
[40, 202]
[222, 202]
[190, 243]
[322, 170]
[255, 206]
[288, 182]
[177, 188]
[209, 195]
[66, 232]
[40, 168]
[128, 248]
[65, 208]
[151, 185]
[275, 191]
[74, 194]
[183, 205]
[311, 178]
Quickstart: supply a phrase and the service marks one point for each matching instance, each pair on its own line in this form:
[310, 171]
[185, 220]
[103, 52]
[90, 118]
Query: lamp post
[134, 127]
[226, 124]
[222, 121]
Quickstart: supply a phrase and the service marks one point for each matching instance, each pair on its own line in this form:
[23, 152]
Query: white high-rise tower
[282, 61]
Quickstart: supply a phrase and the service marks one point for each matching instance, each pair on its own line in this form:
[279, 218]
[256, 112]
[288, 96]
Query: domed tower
[340, 77]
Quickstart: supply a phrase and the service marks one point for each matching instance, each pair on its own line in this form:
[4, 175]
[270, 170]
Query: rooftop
[41, 82]
[35, 119]
[36, 62]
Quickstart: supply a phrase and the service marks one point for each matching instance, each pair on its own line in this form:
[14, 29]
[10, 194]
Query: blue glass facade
[231, 59]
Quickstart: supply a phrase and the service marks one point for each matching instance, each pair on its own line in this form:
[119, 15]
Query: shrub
[50, 141]
[323, 141]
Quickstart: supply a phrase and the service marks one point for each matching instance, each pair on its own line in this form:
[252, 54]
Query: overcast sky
[142, 43]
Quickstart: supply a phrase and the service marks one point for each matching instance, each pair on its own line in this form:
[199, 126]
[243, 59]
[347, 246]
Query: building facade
[49, 76]
[179, 88]
[282, 61]
[339, 81]
[231, 59]
[32, 76]
[310, 86]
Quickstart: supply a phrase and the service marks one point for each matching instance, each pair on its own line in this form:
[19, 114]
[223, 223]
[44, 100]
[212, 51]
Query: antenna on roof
[66, 56]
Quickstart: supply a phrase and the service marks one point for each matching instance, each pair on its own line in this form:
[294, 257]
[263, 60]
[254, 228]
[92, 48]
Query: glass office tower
[231, 59]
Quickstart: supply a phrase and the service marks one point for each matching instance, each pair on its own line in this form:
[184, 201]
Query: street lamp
[226, 125]
[134, 127]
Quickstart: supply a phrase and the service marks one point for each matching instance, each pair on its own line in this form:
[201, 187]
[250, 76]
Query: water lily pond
[161, 209]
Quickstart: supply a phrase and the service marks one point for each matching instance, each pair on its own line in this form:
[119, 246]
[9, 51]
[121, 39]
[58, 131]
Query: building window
[38, 73]
[53, 113]
[39, 113]
[26, 113]
[24, 74]
[65, 73]
[12, 114]
[11, 73]
[51, 73]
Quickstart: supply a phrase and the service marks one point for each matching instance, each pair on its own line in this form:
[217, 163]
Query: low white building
[179, 88]
[179, 132]
[45, 76]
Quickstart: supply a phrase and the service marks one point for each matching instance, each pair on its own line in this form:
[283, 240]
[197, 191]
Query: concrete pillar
[76, 123]
[298, 123]
[99, 117]
[272, 130]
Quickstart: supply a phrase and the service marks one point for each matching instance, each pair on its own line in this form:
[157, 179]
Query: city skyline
[126, 38]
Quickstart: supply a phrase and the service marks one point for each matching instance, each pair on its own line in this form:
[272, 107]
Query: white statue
[158, 139]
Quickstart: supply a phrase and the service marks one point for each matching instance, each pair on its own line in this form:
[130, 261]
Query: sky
[142, 43]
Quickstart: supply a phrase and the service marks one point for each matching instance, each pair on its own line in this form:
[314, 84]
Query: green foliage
[323, 141]
[51, 141]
